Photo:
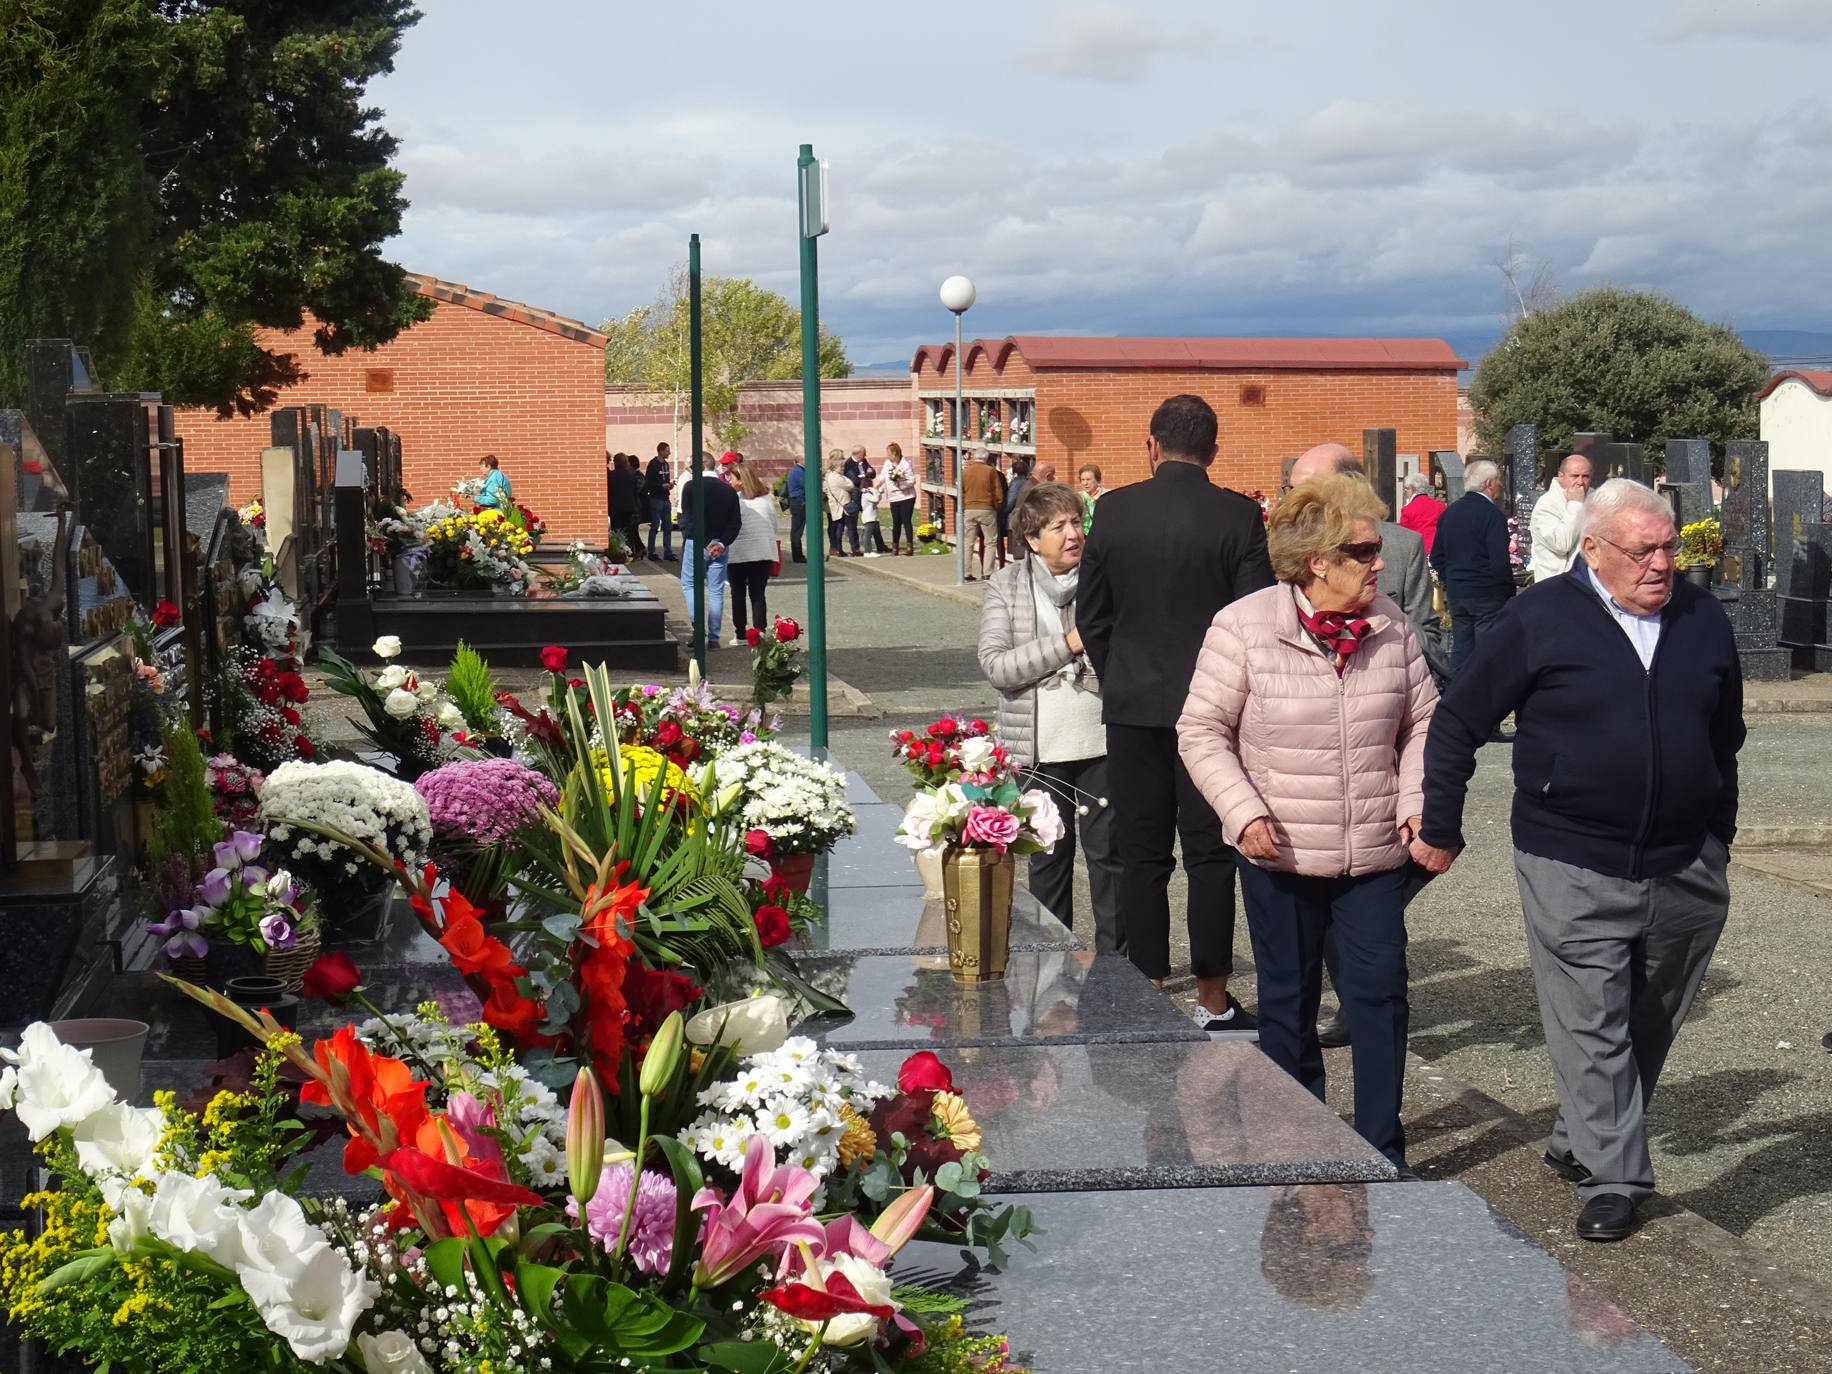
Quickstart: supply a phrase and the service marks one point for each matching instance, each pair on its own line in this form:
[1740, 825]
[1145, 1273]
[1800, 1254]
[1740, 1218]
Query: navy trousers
[1287, 916]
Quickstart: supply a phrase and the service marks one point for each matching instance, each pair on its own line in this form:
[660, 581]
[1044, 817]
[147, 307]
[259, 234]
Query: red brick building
[1072, 401]
[482, 375]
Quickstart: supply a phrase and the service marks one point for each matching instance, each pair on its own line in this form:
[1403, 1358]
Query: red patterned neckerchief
[1337, 631]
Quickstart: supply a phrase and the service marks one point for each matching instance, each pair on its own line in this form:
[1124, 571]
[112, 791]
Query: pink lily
[895, 1227]
[768, 1211]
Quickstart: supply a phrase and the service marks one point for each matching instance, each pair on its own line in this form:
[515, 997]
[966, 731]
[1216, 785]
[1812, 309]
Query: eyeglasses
[1364, 554]
[1643, 556]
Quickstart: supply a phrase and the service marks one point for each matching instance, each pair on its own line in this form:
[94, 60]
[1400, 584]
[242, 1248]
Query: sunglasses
[1364, 554]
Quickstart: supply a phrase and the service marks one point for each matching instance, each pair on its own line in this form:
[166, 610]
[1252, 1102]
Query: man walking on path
[1629, 696]
[1165, 555]
[982, 494]
[720, 519]
[657, 484]
[795, 500]
[1470, 555]
[1558, 518]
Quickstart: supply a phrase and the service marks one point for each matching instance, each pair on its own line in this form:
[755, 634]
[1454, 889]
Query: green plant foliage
[748, 334]
[185, 823]
[472, 689]
[177, 174]
[1633, 364]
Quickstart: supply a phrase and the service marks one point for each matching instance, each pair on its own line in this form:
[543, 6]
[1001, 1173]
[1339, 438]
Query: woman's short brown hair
[893, 451]
[1041, 503]
[1314, 520]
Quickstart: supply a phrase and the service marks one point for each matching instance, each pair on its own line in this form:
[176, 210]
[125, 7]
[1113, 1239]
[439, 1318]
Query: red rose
[787, 630]
[165, 614]
[553, 658]
[753, 636]
[923, 1072]
[650, 994]
[575, 682]
[776, 889]
[304, 746]
[944, 728]
[757, 842]
[333, 977]
[978, 727]
[668, 734]
[290, 716]
[772, 926]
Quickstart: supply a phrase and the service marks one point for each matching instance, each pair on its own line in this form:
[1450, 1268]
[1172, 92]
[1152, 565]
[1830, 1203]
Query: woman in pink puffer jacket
[1305, 729]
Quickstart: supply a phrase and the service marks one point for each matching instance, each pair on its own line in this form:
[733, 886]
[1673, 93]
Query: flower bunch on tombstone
[1020, 431]
[948, 749]
[585, 573]
[798, 805]
[311, 810]
[235, 789]
[260, 702]
[406, 715]
[238, 901]
[253, 515]
[688, 724]
[776, 661]
[968, 794]
[1701, 543]
[479, 810]
[484, 548]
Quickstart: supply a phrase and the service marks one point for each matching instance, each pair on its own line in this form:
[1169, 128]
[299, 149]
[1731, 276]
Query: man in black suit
[1163, 557]
[1470, 554]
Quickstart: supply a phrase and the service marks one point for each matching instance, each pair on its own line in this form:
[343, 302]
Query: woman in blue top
[496, 490]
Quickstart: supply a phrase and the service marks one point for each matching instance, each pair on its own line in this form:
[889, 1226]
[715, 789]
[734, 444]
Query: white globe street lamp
[958, 295]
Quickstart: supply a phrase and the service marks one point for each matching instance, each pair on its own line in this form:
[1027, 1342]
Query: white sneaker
[874, 555]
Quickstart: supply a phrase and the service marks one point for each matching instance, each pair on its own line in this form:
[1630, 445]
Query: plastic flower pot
[797, 870]
[1699, 575]
[114, 1046]
[929, 869]
[258, 992]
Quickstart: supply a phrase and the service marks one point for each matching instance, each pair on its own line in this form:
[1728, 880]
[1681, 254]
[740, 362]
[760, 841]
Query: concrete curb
[1782, 837]
[966, 596]
[1784, 706]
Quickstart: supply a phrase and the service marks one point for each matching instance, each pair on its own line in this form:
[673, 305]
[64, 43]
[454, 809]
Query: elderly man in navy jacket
[1628, 697]
[1470, 554]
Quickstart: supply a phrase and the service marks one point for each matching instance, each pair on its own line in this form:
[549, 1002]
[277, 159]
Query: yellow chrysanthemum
[641, 766]
[956, 1122]
[858, 1142]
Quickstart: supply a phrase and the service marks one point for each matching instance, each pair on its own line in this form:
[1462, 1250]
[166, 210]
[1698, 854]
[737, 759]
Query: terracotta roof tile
[1045, 351]
[453, 293]
[1819, 381]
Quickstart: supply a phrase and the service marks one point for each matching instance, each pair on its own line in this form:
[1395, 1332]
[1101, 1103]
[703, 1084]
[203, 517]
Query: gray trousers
[1052, 875]
[1617, 964]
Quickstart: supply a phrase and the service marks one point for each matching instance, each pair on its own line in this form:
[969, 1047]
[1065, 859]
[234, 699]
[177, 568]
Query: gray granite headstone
[1523, 487]
[1592, 444]
[205, 495]
[1800, 570]
[1688, 479]
[1626, 460]
[1745, 517]
[1451, 465]
[1380, 459]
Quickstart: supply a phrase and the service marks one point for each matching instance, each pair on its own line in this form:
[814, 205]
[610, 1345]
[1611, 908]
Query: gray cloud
[1112, 44]
[1770, 21]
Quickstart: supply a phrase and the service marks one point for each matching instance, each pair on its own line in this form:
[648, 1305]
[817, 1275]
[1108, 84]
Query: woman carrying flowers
[1049, 714]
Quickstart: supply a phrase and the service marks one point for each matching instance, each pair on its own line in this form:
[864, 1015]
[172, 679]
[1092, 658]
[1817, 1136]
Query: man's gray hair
[1479, 474]
[1621, 496]
[982, 455]
[1417, 481]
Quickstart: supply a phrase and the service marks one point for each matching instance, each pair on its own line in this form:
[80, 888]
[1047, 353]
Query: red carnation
[923, 1072]
[786, 630]
[553, 658]
[304, 746]
[333, 977]
[165, 614]
[772, 926]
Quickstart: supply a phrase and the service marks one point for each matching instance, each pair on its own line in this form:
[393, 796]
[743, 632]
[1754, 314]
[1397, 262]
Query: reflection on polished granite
[1056, 1117]
[892, 920]
[1072, 996]
[871, 856]
[1383, 1278]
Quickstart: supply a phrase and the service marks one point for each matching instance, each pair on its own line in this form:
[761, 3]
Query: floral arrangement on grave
[512, 1234]
[930, 534]
[796, 804]
[529, 523]
[776, 661]
[968, 795]
[936, 422]
[687, 724]
[259, 701]
[238, 902]
[479, 810]
[253, 515]
[392, 532]
[1701, 543]
[235, 790]
[585, 573]
[481, 549]
[405, 715]
[1517, 557]
[465, 491]
[991, 431]
[325, 819]
[1020, 431]
[154, 708]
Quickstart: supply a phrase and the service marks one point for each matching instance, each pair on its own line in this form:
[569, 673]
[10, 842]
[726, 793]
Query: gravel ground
[1742, 1125]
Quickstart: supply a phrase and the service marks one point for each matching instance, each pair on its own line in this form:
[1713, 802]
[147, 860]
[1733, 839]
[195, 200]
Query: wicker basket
[189, 967]
[289, 965]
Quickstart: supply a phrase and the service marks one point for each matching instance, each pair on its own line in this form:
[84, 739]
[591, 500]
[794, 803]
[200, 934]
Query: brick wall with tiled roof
[454, 293]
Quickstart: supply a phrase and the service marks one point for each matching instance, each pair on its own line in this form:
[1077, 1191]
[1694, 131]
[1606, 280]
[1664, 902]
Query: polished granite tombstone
[1060, 1117]
[1070, 996]
[896, 920]
[1395, 1278]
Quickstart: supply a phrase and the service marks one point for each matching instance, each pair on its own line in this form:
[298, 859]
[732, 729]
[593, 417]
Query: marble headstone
[1800, 569]
[1745, 518]
[1625, 460]
[1523, 486]
[1688, 479]
[1450, 463]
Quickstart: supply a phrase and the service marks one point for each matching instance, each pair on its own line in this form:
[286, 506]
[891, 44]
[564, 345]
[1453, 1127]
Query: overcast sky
[1162, 167]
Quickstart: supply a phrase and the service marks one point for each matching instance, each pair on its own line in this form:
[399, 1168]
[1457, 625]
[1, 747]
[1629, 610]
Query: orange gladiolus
[383, 1104]
[601, 968]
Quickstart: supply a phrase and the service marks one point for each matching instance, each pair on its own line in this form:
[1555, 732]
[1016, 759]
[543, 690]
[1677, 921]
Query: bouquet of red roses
[949, 750]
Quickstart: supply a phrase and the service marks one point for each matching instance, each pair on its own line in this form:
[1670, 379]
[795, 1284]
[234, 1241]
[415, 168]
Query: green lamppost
[811, 177]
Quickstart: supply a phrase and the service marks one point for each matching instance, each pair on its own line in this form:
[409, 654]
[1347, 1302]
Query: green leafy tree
[1633, 364]
[748, 334]
[179, 172]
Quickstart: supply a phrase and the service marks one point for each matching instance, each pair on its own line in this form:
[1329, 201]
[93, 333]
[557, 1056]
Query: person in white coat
[754, 554]
[1557, 525]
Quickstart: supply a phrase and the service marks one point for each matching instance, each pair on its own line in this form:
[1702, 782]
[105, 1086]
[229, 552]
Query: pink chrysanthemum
[484, 801]
[651, 1233]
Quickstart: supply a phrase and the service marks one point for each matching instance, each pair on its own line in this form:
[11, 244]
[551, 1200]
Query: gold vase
[976, 886]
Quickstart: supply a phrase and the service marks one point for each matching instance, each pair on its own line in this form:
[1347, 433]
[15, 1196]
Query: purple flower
[180, 928]
[214, 889]
[746, 737]
[243, 847]
[277, 930]
[651, 690]
[652, 1230]
[253, 877]
[484, 801]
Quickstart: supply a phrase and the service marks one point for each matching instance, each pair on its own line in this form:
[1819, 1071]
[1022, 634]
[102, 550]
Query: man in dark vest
[1470, 554]
[1163, 557]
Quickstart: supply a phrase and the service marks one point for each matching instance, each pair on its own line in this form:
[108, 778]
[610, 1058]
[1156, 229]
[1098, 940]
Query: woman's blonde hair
[835, 461]
[750, 485]
[1314, 520]
[893, 451]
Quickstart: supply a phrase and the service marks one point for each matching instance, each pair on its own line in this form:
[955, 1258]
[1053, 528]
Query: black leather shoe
[1566, 1167]
[1333, 1034]
[1607, 1216]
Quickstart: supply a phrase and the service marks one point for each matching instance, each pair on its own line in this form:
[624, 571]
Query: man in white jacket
[1558, 518]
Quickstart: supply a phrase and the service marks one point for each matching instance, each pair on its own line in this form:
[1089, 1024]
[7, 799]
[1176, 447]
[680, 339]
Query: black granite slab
[1059, 1117]
[1071, 996]
[1383, 1278]
[896, 920]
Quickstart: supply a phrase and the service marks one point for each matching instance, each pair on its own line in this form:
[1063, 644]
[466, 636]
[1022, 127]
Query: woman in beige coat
[1305, 729]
